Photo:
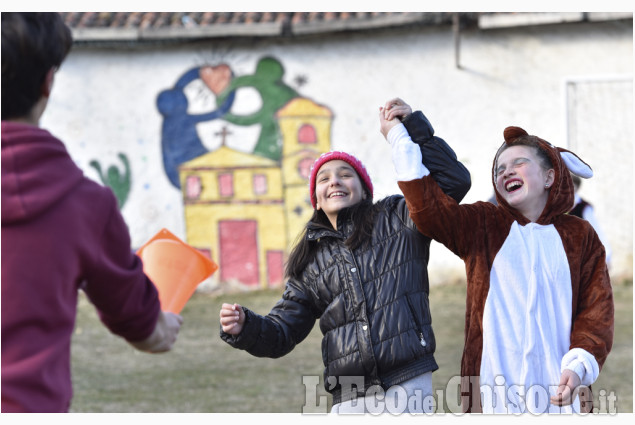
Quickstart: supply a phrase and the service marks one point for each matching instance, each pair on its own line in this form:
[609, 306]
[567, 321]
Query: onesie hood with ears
[561, 193]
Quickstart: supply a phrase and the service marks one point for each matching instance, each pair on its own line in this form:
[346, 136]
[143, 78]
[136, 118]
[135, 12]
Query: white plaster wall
[104, 102]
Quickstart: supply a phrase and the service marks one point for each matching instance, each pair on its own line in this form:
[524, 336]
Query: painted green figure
[120, 184]
[267, 80]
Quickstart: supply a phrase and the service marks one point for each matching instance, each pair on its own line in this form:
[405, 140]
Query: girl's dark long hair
[363, 216]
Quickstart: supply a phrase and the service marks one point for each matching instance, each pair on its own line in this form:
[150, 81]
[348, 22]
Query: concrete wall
[104, 104]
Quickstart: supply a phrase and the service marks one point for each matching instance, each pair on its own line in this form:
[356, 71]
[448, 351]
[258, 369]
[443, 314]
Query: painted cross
[223, 133]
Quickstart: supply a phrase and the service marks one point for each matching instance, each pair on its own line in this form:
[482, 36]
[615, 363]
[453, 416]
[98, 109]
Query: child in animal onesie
[539, 310]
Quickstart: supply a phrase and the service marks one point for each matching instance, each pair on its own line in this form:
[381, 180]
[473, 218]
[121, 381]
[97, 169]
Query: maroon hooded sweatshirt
[60, 232]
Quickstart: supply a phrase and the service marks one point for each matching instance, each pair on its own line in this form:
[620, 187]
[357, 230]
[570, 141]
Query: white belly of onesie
[526, 322]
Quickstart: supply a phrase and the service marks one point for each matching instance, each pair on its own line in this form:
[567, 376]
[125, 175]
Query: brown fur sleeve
[439, 217]
[593, 310]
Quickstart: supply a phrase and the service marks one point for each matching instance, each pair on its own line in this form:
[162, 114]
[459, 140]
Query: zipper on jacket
[414, 316]
[423, 341]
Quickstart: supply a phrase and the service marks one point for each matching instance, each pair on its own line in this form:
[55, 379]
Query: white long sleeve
[406, 155]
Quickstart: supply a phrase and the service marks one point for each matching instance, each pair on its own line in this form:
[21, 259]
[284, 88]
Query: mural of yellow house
[245, 211]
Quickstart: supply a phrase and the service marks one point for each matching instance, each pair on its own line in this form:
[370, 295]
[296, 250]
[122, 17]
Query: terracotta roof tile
[183, 19]
[100, 26]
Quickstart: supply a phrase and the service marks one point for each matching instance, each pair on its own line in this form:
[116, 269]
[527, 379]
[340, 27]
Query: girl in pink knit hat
[360, 268]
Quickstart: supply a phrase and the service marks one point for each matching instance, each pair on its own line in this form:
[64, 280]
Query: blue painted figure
[179, 140]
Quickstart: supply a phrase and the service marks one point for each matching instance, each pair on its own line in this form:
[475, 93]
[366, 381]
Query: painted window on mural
[226, 185]
[239, 251]
[275, 267]
[206, 252]
[193, 187]
[307, 135]
[304, 167]
[260, 184]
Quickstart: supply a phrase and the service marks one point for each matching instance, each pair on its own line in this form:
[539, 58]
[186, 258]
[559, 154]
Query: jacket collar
[345, 227]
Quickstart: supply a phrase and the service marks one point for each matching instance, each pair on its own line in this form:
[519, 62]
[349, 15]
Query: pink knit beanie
[331, 156]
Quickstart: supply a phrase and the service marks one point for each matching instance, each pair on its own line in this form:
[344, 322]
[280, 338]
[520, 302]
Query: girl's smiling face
[337, 186]
[522, 181]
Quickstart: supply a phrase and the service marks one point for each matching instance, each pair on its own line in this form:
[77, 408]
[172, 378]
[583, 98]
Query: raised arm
[436, 215]
[437, 156]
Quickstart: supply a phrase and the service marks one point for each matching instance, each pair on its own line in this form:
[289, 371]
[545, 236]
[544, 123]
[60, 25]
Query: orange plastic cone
[175, 268]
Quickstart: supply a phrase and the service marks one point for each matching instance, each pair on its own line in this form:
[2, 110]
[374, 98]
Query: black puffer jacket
[372, 302]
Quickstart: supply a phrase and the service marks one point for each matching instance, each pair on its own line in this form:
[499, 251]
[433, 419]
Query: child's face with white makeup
[522, 181]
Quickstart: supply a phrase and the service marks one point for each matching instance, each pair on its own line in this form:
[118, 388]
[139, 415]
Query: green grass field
[203, 374]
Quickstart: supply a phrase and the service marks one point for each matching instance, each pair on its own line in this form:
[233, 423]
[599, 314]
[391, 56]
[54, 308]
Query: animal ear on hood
[512, 133]
[575, 164]
[570, 160]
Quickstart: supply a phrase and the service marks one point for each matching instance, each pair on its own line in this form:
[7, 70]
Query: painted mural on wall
[117, 180]
[244, 209]
[180, 141]
[267, 81]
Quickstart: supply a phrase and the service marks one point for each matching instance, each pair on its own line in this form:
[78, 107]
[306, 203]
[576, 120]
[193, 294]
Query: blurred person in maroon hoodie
[61, 232]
